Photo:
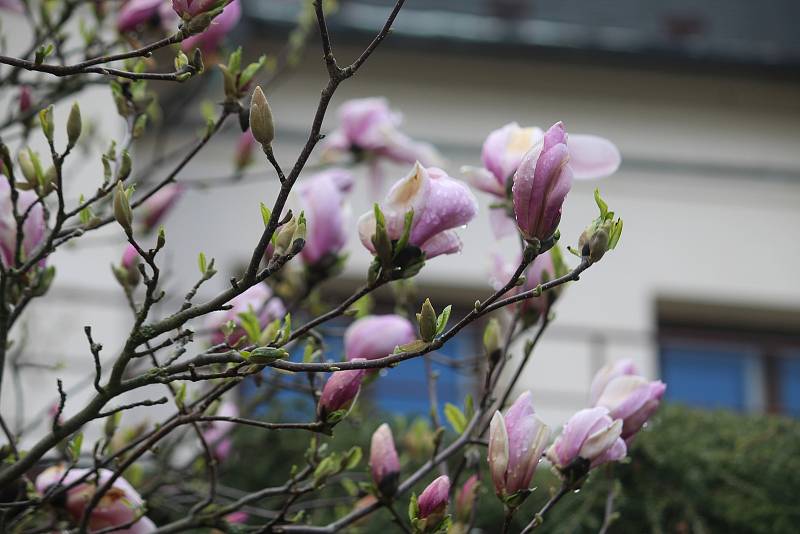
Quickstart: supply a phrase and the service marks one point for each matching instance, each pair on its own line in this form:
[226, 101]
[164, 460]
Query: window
[744, 360]
[399, 390]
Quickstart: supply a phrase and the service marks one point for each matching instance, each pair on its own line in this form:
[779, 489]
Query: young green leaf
[441, 321]
[201, 262]
[455, 417]
[265, 214]
[74, 447]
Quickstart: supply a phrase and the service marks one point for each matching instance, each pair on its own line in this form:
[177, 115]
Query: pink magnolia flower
[15, 6]
[120, 505]
[538, 272]
[257, 299]
[128, 271]
[155, 209]
[187, 9]
[237, 518]
[516, 442]
[243, 156]
[440, 204]
[33, 228]
[25, 98]
[592, 435]
[369, 128]
[322, 197]
[383, 461]
[130, 258]
[633, 399]
[134, 13]
[541, 184]
[216, 432]
[606, 374]
[339, 392]
[376, 336]
[504, 149]
[209, 39]
[433, 501]
[465, 498]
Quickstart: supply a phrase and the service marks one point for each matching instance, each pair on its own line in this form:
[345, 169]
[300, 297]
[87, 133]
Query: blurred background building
[703, 100]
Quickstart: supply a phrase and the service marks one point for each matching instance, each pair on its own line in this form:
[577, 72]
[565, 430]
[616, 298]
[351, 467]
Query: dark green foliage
[699, 472]
[690, 472]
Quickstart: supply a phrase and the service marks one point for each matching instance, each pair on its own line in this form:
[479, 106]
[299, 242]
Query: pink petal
[446, 242]
[591, 156]
[484, 180]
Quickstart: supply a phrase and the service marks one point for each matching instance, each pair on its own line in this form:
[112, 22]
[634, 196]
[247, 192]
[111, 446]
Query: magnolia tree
[266, 333]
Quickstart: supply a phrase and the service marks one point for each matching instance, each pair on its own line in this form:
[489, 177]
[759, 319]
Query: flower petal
[592, 156]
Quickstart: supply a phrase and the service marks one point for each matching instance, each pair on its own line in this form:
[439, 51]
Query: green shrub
[690, 471]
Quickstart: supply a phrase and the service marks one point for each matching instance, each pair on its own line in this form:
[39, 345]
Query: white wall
[729, 235]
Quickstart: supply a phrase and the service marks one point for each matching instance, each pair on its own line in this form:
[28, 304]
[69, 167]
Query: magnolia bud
[339, 393]
[74, 125]
[383, 461]
[299, 235]
[49, 180]
[593, 242]
[122, 209]
[46, 121]
[465, 499]
[432, 504]
[602, 235]
[199, 23]
[25, 99]
[28, 168]
[261, 122]
[285, 237]
[124, 166]
[427, 321]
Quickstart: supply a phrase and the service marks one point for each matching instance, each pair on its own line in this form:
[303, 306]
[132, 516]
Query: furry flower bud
[339, 393]
[122, 209]
[383, 461]
[261, 122]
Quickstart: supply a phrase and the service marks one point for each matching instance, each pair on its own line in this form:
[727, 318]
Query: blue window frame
[712, 377]
[788, 377]
[742, 370]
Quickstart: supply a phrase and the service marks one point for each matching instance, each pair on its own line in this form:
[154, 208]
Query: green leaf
[441, 321]
[74, 446]
[286, 332]
[349, 486]
[250, 323]
[181, 60]
[403, 241]
[353, 458]
[266, 214]
[616, 233]
[413, 507]
[235, 61]
[201, 262]
[42, 52]
[250, 71]
[265, 355]
[325, 468]
[600, 204]
[455, 417]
